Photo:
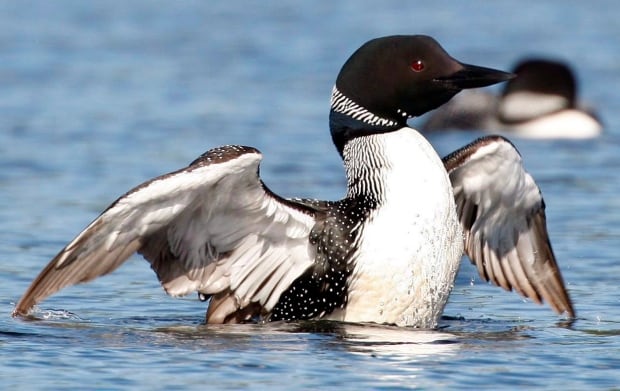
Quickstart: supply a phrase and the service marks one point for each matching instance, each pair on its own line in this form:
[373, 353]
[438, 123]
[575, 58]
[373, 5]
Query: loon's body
[411, 243]
[540, 103]
[386, 253]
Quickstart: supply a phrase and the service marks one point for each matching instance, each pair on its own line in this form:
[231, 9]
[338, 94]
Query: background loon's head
[541, 87]
[400, 77]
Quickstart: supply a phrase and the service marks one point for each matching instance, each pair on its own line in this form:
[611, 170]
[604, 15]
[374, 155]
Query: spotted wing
[211, 227]
[503, 218]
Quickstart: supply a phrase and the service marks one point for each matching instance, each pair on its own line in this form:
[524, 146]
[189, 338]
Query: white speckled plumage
[411, 245]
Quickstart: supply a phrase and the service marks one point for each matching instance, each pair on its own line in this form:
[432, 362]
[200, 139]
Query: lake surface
[96, 97]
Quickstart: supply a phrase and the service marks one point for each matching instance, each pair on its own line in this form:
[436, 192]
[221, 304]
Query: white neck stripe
[341, 104]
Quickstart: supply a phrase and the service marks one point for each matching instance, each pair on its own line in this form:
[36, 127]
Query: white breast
[410, 247]
[570, 123]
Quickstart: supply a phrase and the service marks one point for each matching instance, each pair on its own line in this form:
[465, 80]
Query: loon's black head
[541, 87]
[390, 79]
[544, 76]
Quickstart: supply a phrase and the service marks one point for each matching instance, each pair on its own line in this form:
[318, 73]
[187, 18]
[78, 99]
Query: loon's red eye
[417, 65]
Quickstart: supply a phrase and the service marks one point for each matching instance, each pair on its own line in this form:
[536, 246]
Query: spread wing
[503, 218]
[211, 227]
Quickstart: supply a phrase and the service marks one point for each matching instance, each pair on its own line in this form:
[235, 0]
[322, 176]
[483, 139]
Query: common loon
[387, 253]
[541, 102]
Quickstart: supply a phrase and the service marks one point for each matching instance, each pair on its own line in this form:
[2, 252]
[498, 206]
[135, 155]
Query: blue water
[96, 97]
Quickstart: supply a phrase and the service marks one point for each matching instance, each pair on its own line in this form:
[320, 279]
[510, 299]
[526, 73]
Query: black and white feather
[342, 104]
[502, 213]
[211, 228]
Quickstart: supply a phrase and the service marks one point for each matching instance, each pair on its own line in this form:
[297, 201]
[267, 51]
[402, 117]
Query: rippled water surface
[96, 97]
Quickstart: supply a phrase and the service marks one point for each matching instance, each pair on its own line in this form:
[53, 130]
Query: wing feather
[502, 214]
[212, 227]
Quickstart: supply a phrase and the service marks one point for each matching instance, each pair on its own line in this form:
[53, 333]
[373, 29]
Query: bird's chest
[409, 246]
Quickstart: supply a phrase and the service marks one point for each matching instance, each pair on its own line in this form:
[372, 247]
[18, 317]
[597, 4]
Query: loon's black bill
[472, 76]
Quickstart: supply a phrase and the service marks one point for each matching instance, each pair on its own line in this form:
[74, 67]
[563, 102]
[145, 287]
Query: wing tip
[23, 308]
[564, 307]
[570, 313]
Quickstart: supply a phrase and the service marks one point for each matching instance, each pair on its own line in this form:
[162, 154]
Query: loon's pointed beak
[472, 76]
